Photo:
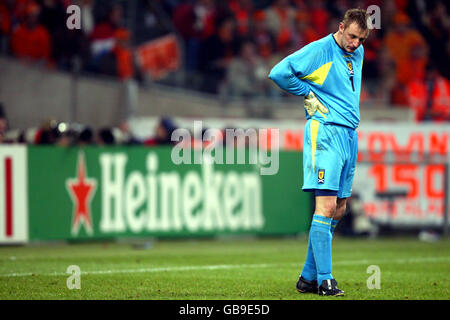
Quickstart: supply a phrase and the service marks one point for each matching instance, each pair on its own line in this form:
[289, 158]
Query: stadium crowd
[64, 134]
[36, 31]
[54, 132]
[230, 46]
[233, 44]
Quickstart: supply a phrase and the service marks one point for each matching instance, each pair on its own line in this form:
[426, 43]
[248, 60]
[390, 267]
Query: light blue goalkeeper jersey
[333, 74]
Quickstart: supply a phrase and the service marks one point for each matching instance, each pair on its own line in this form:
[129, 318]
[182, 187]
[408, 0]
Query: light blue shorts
[329, 157]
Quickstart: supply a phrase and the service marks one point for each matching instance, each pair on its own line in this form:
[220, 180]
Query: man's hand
[312, 104]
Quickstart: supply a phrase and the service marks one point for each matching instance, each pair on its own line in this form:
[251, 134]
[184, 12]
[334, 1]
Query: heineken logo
[199, 200]
[149, 200]
[81, 190]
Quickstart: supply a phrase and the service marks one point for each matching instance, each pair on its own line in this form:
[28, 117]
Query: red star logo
[81, 190]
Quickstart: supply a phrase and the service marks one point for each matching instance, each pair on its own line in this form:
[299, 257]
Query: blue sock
[309, 271]
[321, 236]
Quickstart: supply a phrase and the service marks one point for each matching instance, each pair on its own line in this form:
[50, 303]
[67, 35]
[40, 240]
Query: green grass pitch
[230, 269]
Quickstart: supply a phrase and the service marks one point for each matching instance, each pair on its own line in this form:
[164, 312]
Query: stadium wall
[53, 193]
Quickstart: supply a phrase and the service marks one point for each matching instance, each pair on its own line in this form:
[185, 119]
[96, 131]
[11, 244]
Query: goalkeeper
[327, 72]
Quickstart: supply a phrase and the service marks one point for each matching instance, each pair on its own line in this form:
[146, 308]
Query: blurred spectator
[48, 133]
[103, 41]
[65, 135]
[105, 136]
[429, 96]
[246, 74]
[66, 44]
[195, 22]
[217, 52]
[242, 11]
[5, 18]
[319, 18]
[264, 39]
[303, 33]
[434, 25]
[124, 55]
[5, 24]
[280, 17]
[126, 136]
[409, 51]
[30, 40]
[164, 130]
[13, 136]
[86, 137]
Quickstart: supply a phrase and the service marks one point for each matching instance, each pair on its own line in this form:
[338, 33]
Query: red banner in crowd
[159, 57]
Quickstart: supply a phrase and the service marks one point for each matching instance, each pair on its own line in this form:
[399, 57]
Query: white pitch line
[229, 266]
[395, 261]
[144, 270]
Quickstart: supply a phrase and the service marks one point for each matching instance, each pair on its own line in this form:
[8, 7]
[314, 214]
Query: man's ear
[341, 27]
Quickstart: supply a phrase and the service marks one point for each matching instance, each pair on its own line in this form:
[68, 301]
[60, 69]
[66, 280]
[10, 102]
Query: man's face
[352, 36]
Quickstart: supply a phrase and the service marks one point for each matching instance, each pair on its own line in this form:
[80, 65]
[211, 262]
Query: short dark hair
[360, 16]
[106, 135]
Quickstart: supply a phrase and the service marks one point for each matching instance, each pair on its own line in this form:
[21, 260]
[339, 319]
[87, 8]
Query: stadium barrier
[57, 193]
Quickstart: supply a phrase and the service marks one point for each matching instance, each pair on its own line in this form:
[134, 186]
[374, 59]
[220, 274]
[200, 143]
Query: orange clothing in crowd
[125, 67]
[242, 16]
[31, 43]
[400, 46]
[308, 33]
[408, 49]
[418, 94]
[319, 18]
[124, 55]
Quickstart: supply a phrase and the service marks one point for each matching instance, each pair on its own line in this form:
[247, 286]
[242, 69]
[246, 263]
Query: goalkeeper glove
[312, 104]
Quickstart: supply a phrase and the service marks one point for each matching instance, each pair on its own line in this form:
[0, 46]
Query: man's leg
[309, 271]
[324, 204]
[320, 235]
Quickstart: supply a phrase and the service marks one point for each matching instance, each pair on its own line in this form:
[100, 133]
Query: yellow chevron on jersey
[319, 75]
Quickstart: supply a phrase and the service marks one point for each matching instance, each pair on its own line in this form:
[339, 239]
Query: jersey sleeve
[288, 72]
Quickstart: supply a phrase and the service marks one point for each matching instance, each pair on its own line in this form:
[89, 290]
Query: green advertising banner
[110, 192]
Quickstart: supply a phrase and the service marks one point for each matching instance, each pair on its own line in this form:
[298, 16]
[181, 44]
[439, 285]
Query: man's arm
[284, 75]
[287, 75]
